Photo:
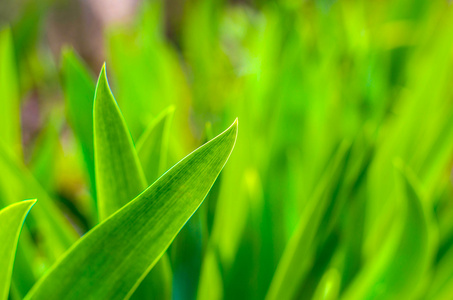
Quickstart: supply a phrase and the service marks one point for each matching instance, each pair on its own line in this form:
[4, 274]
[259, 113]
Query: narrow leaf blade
[11, 219]
[111, 260]
[119, 176]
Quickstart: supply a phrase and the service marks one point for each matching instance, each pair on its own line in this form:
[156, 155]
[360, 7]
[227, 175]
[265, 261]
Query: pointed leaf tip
[140, 232]
[103, 68]
[118, 174]
[12, 218]
[234, 127]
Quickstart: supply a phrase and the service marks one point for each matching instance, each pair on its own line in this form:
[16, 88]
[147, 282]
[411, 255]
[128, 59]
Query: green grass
[338, 186]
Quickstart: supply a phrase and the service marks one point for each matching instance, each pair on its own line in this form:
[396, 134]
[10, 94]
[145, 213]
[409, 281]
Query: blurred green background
[339, 185]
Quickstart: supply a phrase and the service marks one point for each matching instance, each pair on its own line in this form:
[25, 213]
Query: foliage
[338, 186]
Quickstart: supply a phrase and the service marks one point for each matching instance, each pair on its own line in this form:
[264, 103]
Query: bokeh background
[340, 105]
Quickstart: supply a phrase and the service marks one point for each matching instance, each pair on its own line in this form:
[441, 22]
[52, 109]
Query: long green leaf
[110, 261]
[119, 175]
[11, 219]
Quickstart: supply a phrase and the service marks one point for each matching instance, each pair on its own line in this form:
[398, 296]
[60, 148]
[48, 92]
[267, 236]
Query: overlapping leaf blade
[11, 219]
[110, 261]
[119, 175]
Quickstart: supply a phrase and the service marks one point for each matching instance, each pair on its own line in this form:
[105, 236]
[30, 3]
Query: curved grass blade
[119, 175]
[110, 261]
[11, 219]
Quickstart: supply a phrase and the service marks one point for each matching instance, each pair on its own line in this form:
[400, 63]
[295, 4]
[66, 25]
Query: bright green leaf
[11, 219]
[110, 261]
[119, 175]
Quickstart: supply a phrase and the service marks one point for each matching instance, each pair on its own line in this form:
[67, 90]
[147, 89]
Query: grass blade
[110, 261]
[119, 174]
[11, 219]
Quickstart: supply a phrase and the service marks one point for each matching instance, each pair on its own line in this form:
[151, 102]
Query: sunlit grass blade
[119, 174]
[11, 219]
[10, 132]
[110, 261]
